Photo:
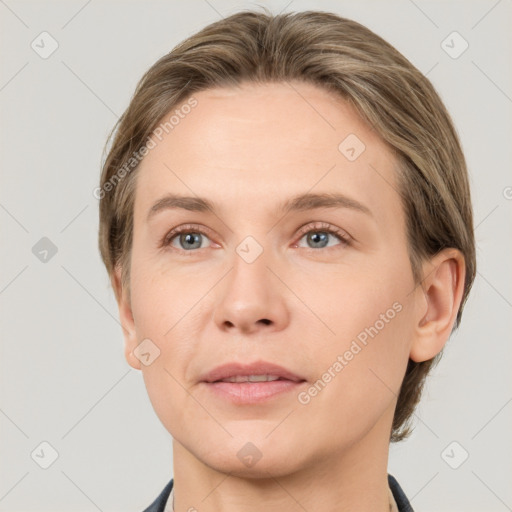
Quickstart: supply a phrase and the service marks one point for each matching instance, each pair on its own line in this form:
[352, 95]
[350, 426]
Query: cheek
[168, 311]
[163, 297]
[352, 301]
[358, 378]
[361, 362]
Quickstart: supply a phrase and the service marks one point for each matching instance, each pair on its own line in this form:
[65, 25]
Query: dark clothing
[159, 504]
[401, 499]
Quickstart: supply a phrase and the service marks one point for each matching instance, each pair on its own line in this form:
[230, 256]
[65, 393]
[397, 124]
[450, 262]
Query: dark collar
[159, 504]
[401, 499]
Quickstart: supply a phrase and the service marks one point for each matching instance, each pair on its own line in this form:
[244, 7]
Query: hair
[343, 57]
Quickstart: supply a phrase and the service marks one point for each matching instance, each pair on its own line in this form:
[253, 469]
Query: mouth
[251, 383]
[252, 378]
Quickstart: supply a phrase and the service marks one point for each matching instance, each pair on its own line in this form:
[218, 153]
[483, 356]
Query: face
[312, 291]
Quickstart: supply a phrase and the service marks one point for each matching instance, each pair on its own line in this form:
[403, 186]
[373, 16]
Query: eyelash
[322, 227]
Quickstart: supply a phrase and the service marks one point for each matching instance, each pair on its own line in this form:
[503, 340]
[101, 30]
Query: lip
[257, 368]
[241, 393]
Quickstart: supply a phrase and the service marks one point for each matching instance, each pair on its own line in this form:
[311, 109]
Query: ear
[439, 297]
[126, 317]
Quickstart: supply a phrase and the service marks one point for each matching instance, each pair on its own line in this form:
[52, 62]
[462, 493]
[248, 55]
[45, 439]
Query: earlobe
[440, 294]
[126, 318]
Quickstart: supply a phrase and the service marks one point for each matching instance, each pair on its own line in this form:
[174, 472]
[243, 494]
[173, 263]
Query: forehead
[258, 142]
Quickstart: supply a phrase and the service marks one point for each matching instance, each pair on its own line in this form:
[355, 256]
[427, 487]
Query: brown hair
[343, 57]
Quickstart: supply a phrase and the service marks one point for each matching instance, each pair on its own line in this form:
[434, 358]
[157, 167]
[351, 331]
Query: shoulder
[399, 495]
[159, 504]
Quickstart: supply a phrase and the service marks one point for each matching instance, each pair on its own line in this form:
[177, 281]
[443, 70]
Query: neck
[355, 479]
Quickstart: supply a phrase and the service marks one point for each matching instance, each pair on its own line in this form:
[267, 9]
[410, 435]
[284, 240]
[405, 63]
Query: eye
[318, 235]
[188, 237]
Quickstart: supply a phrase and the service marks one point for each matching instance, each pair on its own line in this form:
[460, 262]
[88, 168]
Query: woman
[285, 216]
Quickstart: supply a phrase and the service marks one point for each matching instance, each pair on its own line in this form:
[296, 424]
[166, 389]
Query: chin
[260, 470]
[241, 457]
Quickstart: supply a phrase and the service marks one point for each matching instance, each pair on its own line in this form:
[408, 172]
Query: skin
[298, 304]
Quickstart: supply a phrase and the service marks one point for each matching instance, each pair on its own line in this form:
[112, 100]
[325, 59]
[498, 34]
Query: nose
[252, 298]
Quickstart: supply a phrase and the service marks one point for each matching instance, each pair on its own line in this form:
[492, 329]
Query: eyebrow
[299, 203]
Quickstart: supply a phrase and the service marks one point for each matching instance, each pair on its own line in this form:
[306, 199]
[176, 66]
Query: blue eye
[319, 239]
[190, 238]
[319, 234]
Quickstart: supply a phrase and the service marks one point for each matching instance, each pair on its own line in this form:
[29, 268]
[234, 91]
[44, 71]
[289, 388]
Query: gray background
[64, 379]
